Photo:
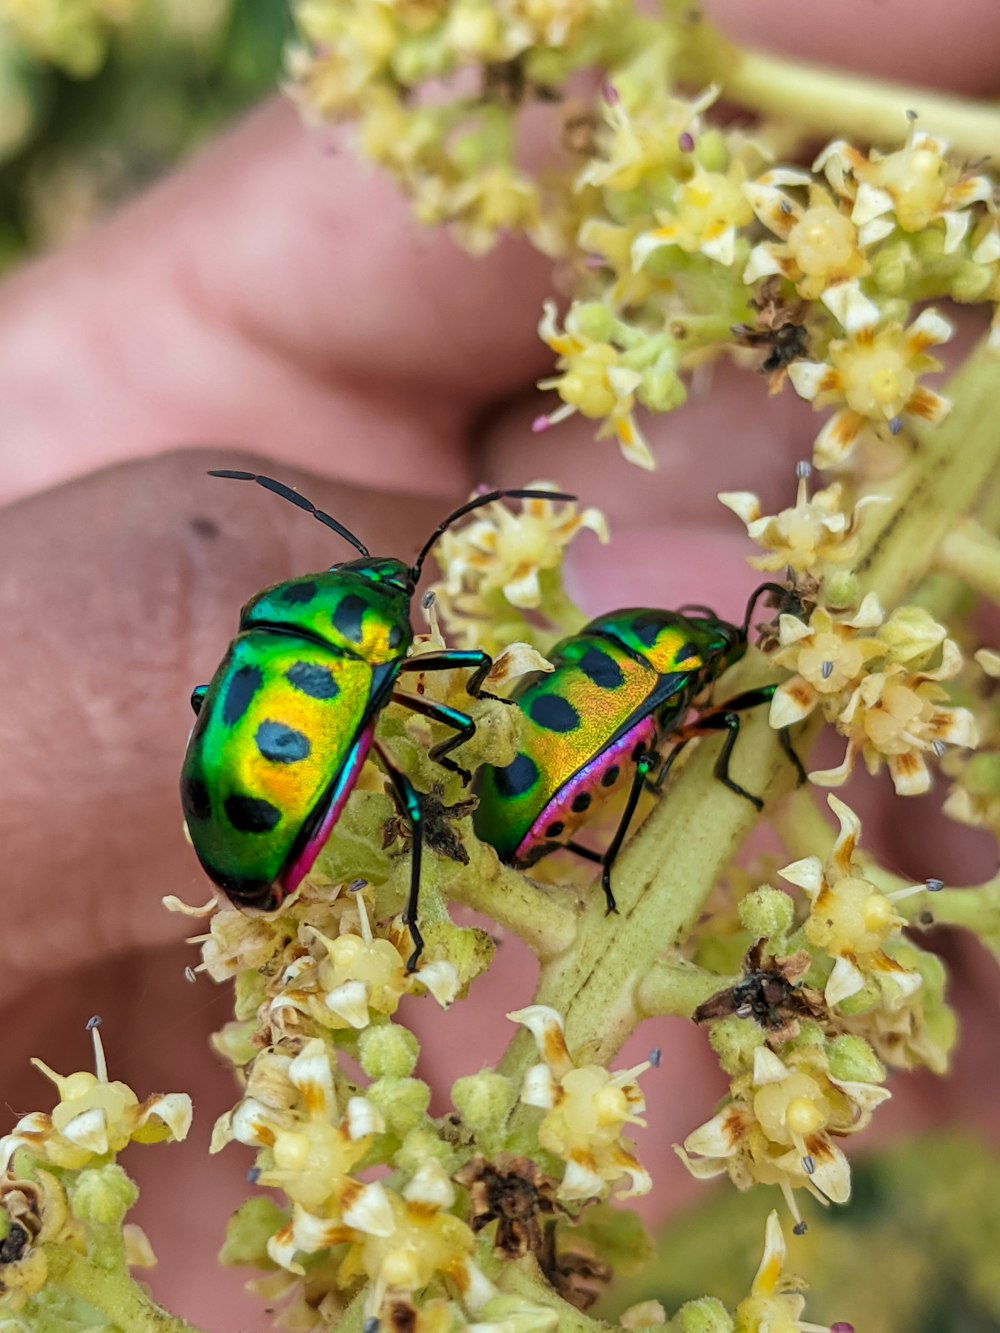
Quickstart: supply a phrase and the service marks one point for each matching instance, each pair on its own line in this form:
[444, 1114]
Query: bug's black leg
[643, 765]
[661, 777]
[587, 853]
[410, 802]
[729, 720]
[198, 698]
[473, 659]
[753, 699]
[462, 724]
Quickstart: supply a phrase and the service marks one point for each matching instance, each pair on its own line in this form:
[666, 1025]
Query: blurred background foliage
[917, 1249]
[98, 97]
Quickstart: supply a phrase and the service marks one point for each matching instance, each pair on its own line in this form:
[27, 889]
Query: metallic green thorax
[289, 712]
[627, 677]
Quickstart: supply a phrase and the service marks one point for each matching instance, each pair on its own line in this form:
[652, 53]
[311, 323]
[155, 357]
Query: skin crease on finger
[267, 337]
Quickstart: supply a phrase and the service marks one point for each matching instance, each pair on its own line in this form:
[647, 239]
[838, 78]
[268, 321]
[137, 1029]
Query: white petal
[722, 248]
[441, 977]
[430, 1186]
[174, 1109]
[89, 1130]
[579, 1182]
[869, 203]
[845, 980]
[539, 1088]
[869, 614]
[873, 232]
[744, 504]
[767, 1068]
[775, 1250]
[370, 1211]
[363, 1118]
[988, 249]
[955, 226]
[805, 874]
[761, 263]
[807, 376]
[847, 302]
[932, 326]
[349, 1001]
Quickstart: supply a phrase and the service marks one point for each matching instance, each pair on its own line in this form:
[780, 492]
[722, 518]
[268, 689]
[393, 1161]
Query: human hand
[273, 298]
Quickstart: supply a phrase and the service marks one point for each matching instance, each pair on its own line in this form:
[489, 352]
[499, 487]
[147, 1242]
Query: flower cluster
[870, 676]
[500, 565]
[586, 1108]
[779, 1121]
[62, 1192]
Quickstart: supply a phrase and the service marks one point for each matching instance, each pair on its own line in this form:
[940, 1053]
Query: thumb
[120, 592]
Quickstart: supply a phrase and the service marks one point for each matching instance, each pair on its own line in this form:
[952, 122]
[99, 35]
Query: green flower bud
[840, 589]
[766, 913]
[734, 1041]
[402, 1101]
[853, 1060]
[710, 150]
[420, 1146]
[981, 775]
[661, 391]
[705, 1315]
[483, 1100]
[248, 1231]
[971, 282]
[594, 320]
[102, 1194]
[386, 1050]
[893, 267]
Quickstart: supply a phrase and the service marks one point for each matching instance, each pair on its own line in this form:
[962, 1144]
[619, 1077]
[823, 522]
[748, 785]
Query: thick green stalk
[832, 102]
[112, 1292]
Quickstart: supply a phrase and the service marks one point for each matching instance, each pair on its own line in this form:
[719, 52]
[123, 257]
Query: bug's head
[394, 576]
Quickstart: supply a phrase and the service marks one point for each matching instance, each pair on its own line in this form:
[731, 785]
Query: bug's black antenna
[477, 503]
[755, 596]
[286, 493]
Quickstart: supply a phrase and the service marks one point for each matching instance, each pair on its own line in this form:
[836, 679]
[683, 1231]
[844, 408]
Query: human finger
[119, 594]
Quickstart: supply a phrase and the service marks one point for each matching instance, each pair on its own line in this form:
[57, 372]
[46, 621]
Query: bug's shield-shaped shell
[279, 741]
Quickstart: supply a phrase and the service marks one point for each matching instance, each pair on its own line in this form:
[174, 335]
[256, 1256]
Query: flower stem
[111, 1292]
[827, 102]
[676, 987]
[971, 553]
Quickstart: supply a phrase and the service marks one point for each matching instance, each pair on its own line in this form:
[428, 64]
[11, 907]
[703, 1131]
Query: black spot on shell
[198, 698]
[601, 669]
[250, 814]
[316, 681]
[519, 776]
[281, 744]
[553, 713]
[296, 593]
[395, 636]
[243, 685]
[554, 829]
[195, 798]
[610, 776]
[647, 627]
[581, 802]
[685, 651]
[348, 615]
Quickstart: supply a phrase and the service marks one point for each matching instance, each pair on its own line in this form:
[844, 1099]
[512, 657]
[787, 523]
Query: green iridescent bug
[620, 691]
[286, 723]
